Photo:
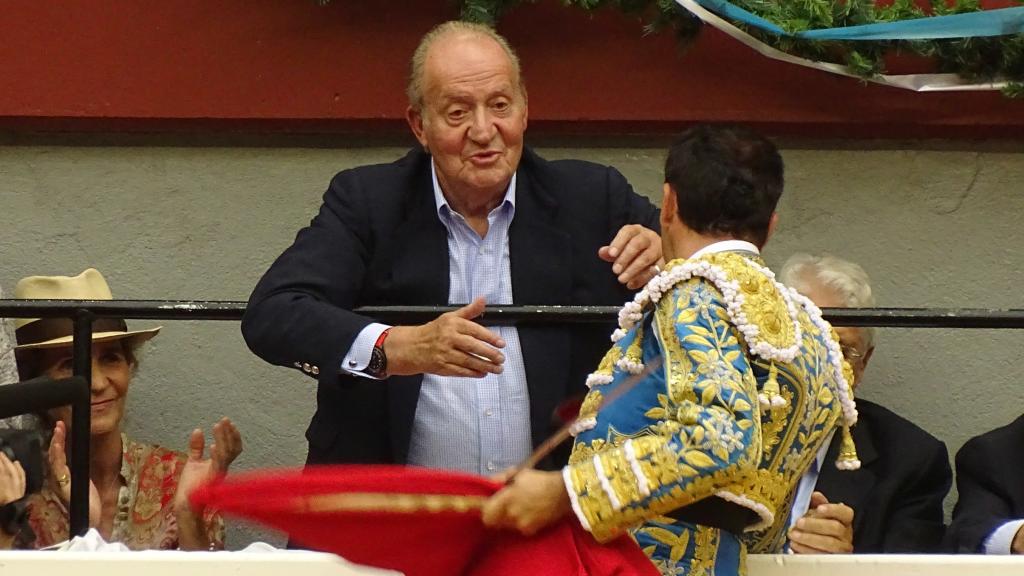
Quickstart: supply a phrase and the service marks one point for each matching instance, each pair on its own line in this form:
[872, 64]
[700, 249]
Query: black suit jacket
[897, 494]
[990, 480]
[377, 240]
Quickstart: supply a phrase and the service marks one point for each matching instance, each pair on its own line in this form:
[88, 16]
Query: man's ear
[669, 205]
[867, 356]
[415, 119]
[526, 108]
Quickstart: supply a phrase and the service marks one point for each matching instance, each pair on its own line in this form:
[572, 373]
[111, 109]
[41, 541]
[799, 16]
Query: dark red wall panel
[290, 65]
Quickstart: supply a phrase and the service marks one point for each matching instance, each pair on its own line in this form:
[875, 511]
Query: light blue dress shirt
[804, 490]
[476, 425]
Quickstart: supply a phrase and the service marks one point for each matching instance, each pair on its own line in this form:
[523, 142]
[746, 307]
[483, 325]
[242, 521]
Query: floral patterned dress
[145, 506]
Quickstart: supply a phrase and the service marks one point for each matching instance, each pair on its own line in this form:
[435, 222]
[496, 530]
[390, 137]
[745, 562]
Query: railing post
[81, 423]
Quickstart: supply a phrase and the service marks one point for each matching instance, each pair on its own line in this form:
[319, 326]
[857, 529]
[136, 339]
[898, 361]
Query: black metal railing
[990, 318]
[84, 312]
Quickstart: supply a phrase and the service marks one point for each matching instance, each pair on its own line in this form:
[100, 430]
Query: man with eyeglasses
[894, 502]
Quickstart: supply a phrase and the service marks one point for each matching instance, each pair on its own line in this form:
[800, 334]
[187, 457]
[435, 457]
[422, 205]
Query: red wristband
[380, 339]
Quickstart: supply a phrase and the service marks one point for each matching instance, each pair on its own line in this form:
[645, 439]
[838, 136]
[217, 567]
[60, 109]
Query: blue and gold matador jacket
[748, 381]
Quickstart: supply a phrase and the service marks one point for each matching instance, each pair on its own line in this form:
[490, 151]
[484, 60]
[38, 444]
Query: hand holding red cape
[419, 521]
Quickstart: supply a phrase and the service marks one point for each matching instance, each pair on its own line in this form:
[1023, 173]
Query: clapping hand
[12, 480]
[12, 488]
[193, 533]
[226, 446]
[60, 474]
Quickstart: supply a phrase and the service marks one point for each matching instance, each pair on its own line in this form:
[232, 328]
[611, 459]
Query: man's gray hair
[846, 279]
[414, 90]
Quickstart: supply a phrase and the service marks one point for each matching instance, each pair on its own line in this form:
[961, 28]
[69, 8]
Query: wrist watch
[378, 366]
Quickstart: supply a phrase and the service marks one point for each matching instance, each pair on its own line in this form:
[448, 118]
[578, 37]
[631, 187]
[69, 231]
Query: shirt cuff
[358, 357]
[1001, 539]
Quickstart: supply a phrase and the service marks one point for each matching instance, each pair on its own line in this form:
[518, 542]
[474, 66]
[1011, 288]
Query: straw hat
[53, 332]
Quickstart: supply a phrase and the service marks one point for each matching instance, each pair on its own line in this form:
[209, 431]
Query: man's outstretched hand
[451, 345]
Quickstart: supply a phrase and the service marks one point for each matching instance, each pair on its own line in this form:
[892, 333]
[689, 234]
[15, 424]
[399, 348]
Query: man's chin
[488, 181]
[502, 170]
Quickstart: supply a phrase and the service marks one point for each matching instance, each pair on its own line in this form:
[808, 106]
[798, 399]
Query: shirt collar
[726, 246]
[442, 203]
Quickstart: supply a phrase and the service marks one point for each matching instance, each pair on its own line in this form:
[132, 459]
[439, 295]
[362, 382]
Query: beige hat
[53, 332]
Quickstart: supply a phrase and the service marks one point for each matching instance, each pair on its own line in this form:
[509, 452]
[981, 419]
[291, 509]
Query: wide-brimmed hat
[34, 333]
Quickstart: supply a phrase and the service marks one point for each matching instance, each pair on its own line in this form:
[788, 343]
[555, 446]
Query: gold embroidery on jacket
[706, 550]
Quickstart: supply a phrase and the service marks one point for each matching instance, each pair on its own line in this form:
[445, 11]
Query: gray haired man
[894, 502]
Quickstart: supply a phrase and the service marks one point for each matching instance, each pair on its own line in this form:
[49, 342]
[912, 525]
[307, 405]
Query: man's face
[851, 339]
[855, 350]
[473, 115]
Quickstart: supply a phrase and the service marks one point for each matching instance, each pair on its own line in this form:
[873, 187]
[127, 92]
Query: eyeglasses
[850, 353]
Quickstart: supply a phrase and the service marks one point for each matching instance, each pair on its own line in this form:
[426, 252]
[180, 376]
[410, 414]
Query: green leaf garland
[976, 59]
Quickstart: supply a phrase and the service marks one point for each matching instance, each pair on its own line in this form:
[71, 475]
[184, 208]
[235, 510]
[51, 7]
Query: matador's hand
[531, 502]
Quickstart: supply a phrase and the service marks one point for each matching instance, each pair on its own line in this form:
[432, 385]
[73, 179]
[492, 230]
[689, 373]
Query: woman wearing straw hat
[137, 491]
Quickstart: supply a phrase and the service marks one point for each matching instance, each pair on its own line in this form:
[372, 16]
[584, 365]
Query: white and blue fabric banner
[984, 23]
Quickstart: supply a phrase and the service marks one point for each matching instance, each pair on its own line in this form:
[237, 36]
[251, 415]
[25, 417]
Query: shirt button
[352, 363]
[488, 412]
[491, 467]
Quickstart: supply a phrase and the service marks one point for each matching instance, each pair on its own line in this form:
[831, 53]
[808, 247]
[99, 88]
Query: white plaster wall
[932, 225]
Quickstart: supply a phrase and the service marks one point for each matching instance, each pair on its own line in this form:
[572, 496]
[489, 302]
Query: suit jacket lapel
[417, 257]
[419, 276]
[541, 266]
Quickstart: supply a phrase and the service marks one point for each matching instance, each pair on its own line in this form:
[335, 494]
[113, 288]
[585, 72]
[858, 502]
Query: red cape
[419, 521]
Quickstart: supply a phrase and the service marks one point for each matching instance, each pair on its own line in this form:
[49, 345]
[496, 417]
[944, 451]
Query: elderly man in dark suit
[893, 503]
[989, 516]
[473, 217]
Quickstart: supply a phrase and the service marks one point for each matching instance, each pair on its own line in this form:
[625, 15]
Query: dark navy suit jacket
[990, 482]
